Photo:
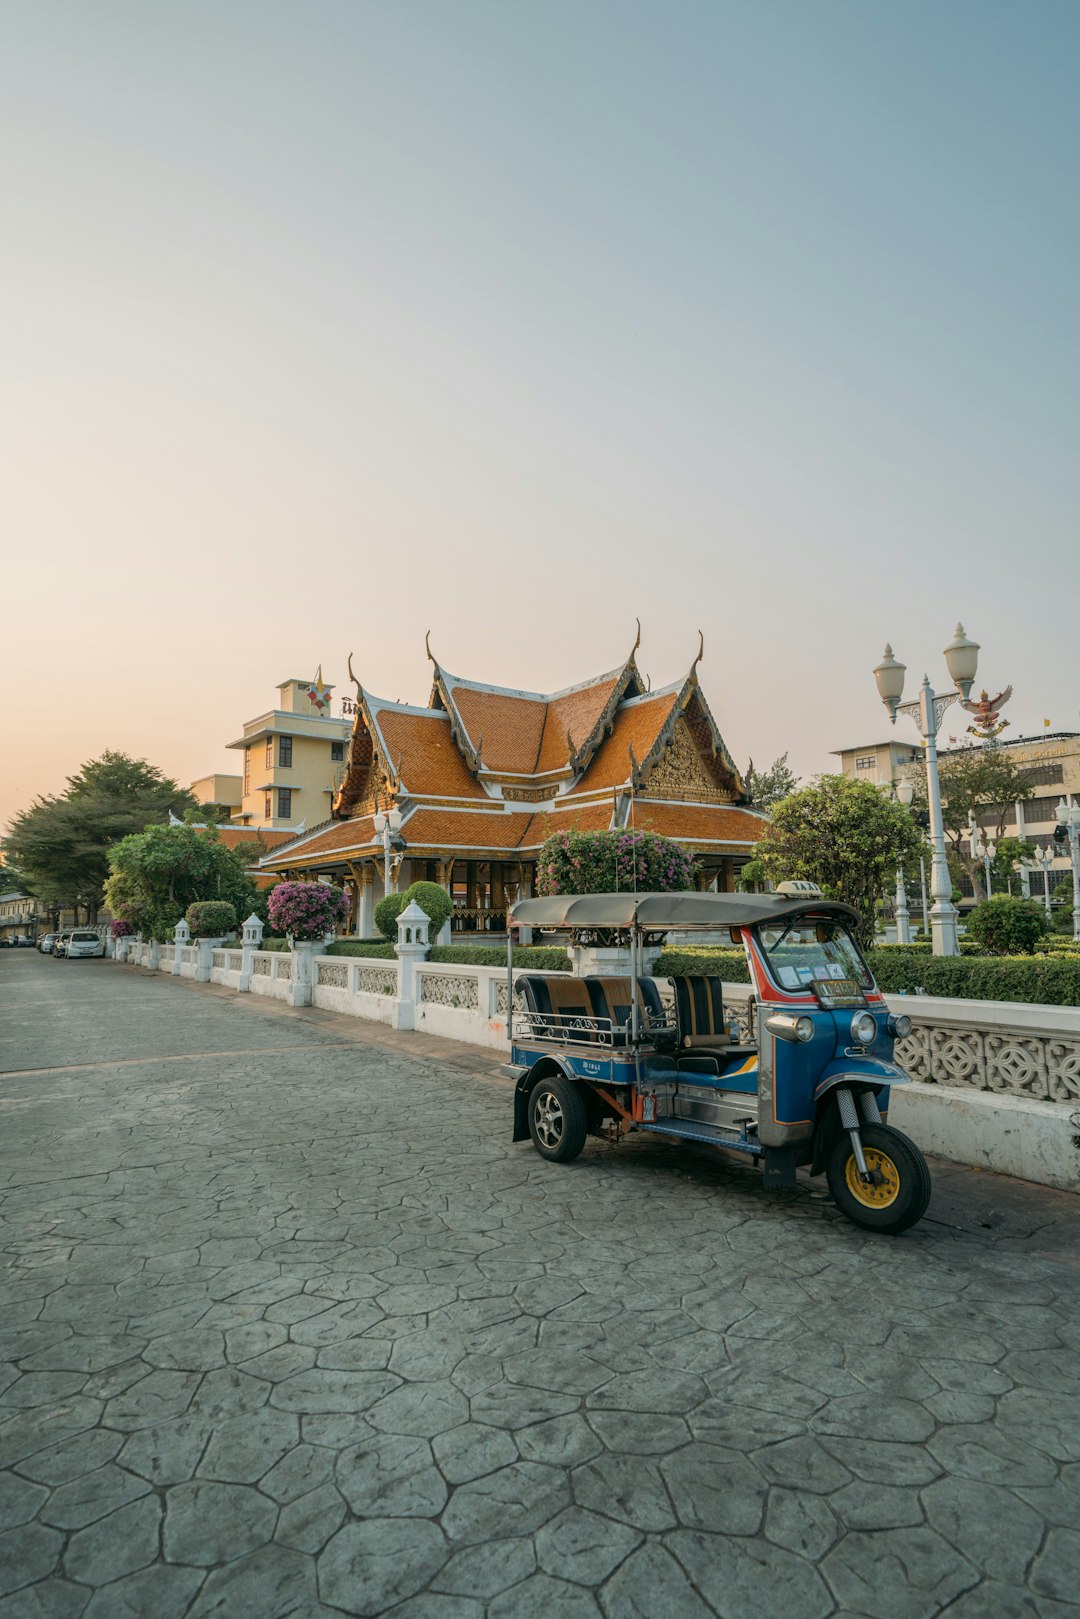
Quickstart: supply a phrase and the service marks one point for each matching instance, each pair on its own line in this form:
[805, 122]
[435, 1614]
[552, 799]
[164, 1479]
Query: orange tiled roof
[577, 713]
[233, 836]
[699, 823]
[430, 761]
[637, 725]
[509, 729]
[461, 829]
[523, 733]
[358, 833]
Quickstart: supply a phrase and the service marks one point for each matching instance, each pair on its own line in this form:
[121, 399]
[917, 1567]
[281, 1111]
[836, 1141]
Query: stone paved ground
[288, 1326]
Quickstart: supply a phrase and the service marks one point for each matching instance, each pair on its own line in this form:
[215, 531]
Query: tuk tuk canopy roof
[659, 911]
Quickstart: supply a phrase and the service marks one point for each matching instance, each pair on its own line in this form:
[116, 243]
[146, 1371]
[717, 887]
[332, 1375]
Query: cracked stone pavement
[289, 1327]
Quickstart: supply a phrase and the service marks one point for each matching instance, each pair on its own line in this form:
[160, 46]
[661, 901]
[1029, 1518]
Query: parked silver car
[81, 942]
[45, 945]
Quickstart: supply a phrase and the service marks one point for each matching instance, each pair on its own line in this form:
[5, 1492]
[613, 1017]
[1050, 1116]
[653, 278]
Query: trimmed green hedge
[1038, 980]
[542, 958]
[728, 965]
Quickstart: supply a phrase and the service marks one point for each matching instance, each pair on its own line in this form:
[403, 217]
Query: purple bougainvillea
[610, 862]
[307, 910]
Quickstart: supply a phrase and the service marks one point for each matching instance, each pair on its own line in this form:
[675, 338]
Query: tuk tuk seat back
[699, 1011]
[611, 1000]
[560, 1008]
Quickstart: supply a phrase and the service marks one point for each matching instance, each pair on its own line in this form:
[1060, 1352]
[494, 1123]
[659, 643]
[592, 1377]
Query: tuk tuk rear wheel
[898, 1196]
[558, 1123]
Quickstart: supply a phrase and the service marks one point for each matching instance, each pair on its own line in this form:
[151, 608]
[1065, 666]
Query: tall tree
[846, 836]
[156, 874]
[61, 843]
[768, 787]
[982, 781]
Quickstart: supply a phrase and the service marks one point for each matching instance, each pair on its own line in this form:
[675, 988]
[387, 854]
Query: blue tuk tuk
[803, 1078]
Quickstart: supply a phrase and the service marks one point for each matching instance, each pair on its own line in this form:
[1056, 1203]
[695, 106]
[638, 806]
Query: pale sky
[324, 324]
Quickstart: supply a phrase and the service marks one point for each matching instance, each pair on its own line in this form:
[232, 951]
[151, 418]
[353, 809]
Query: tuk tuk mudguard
[828, 1127]
[546, 1065]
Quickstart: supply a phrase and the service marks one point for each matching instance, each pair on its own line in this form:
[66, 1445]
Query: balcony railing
[478, 919]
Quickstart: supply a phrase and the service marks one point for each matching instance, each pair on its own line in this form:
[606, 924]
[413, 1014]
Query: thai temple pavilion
[483, 775]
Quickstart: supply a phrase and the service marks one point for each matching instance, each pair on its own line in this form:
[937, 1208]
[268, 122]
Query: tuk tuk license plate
[836, 993]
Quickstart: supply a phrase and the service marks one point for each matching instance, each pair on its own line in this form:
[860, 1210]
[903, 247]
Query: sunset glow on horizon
[327, 326]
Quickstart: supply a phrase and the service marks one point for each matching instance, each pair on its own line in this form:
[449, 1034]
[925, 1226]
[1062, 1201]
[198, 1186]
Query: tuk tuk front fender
[542, 1069]
[864, 1076]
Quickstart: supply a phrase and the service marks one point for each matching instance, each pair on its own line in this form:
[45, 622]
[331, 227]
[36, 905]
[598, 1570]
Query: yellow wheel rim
[875, 1194]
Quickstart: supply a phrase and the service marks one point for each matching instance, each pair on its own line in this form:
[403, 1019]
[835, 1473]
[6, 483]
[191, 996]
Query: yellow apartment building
[227, 791]
[293, 756]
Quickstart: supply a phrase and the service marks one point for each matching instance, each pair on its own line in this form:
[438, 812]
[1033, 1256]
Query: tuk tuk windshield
[808, 948]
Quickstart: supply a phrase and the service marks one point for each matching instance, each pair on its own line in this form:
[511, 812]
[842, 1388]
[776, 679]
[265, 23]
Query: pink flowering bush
[611, 862]
[307, 910]
[120, 929]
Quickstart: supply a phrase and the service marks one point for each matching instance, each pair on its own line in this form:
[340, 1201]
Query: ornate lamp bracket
[914, 710]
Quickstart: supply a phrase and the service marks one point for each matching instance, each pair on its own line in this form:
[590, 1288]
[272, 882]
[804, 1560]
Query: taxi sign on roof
[799, 889]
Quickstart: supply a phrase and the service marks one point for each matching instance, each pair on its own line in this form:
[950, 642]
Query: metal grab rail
[579, 1029]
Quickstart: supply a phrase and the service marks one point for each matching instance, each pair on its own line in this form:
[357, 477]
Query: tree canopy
[982, 781]
[61, 843]
[846, 836]
[156, 874]
[768, 787]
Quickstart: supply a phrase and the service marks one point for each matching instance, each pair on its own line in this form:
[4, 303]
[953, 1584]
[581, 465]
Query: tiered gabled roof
[463, 769]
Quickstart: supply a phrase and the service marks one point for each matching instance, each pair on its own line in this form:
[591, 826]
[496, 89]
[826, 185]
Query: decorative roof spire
[700, 654]
[427, 648]
[637, 639]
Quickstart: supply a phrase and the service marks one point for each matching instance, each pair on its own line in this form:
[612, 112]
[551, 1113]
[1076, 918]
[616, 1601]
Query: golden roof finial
[427, 647]
[637, 639]
[700, 652]
[353, 678]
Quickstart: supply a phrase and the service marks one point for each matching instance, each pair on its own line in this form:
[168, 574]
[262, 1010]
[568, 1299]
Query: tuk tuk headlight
[900, 1025]
[863, 1029]
[804, 1028]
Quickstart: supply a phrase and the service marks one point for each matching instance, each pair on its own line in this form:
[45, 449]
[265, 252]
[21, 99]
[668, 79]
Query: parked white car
[84, 943]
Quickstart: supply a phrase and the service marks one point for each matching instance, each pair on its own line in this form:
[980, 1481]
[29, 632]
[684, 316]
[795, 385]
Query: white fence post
[303, 970]
[153, 956]
[252, 937]
[181, 938]
[411, 948]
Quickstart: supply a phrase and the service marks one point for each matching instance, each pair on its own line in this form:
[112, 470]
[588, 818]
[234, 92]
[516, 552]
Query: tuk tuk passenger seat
[611, 1000]
[705, 1046]
[562, 998]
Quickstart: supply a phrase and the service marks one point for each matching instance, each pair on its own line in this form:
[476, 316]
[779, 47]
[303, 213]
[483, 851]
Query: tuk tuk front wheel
[558, 1122]
[897, 1195]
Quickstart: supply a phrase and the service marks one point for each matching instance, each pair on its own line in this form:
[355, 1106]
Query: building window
[1040, 810]
[268, 808]
[269, 753]
[284, 752]
[247, 771]
[865, 761]
[284, 803]
[1045, 775]
[337, 751]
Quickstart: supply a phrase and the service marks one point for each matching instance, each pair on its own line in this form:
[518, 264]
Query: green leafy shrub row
[727, 965]
[542, 958]
[1038, 980]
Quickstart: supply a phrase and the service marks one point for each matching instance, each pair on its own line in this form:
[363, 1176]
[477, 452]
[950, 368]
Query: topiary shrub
[307, 911]
[386, 914]
[211, 918]
[1007, 926]
[434, 901]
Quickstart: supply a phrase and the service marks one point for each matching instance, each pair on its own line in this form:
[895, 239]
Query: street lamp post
[904, 793]
[1045, 859]
[985, 849]
[1069, 817]
[387, 826]
[961, 657]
